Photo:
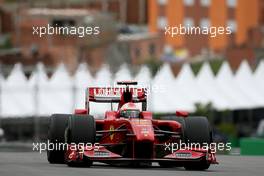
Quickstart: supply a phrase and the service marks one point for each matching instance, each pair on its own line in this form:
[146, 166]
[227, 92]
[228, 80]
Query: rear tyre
[197, 130]
[57, 126]
[81, 130]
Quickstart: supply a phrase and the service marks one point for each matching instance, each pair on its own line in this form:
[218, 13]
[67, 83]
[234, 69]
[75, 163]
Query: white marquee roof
[40, 95]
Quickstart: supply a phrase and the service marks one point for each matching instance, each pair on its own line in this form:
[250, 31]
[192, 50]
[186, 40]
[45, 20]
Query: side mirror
[80, 111]
[182, 113]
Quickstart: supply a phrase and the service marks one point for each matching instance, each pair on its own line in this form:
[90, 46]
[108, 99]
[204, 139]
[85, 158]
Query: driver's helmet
[129, 110]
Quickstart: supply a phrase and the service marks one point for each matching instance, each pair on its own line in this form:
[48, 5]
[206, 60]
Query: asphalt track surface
[35, 164]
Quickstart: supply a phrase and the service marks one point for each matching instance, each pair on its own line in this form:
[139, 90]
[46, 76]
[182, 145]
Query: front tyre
[57, 126]
[197, 130]
[80, 130]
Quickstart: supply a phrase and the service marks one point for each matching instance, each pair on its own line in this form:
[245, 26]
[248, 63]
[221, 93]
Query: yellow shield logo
[111, 132]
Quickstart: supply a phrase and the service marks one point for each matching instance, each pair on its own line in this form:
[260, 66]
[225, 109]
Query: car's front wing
[102, 154]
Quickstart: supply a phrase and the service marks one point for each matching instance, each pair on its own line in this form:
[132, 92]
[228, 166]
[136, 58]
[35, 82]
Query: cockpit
[130, 113]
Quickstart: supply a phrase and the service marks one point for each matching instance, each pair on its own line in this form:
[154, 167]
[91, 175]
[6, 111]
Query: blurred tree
[154, 64]
[5, 42]
[228, 129]
[216, 65]
[205, 110]
[196, 66]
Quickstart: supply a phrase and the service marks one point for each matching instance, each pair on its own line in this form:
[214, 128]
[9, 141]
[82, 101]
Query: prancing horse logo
[111, 132]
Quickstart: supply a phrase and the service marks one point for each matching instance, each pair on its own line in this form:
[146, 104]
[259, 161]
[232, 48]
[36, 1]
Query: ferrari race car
[129, 135]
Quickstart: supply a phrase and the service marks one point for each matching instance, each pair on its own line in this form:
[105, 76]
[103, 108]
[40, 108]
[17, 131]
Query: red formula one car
[129, 134]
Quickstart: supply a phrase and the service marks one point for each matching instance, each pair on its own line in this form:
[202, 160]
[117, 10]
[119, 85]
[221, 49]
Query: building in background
[125, 11]
[245, 18]
[133, 31]
[126, 18]
[141, 47]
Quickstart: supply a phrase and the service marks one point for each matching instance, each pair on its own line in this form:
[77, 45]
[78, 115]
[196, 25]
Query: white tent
[16, 98]
[186, 82]
[225, 82]
[144, 76]
[165, 96]
[38, 82]
[180, 98]
[209, 89]
[62, 93]
[58, 94]
[1, 87]
[259, 75]
[82, 80]
[244, 80]
[103, 77]
[38, 76]
[123, 74]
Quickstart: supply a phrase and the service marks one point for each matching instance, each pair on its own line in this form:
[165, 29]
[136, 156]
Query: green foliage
[5, 42]
[228, 129]
[216, 65]
[196, 66]
[205, 110]
[154, 64]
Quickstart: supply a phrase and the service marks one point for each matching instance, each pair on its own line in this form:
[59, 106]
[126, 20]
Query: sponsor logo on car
[183, 155]
[145, 131]
[112, 128]
[101, 154]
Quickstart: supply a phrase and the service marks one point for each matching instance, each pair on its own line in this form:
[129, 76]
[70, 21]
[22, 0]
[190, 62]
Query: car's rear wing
[110, 94]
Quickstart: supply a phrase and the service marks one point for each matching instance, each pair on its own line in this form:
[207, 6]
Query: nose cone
[143, 130]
